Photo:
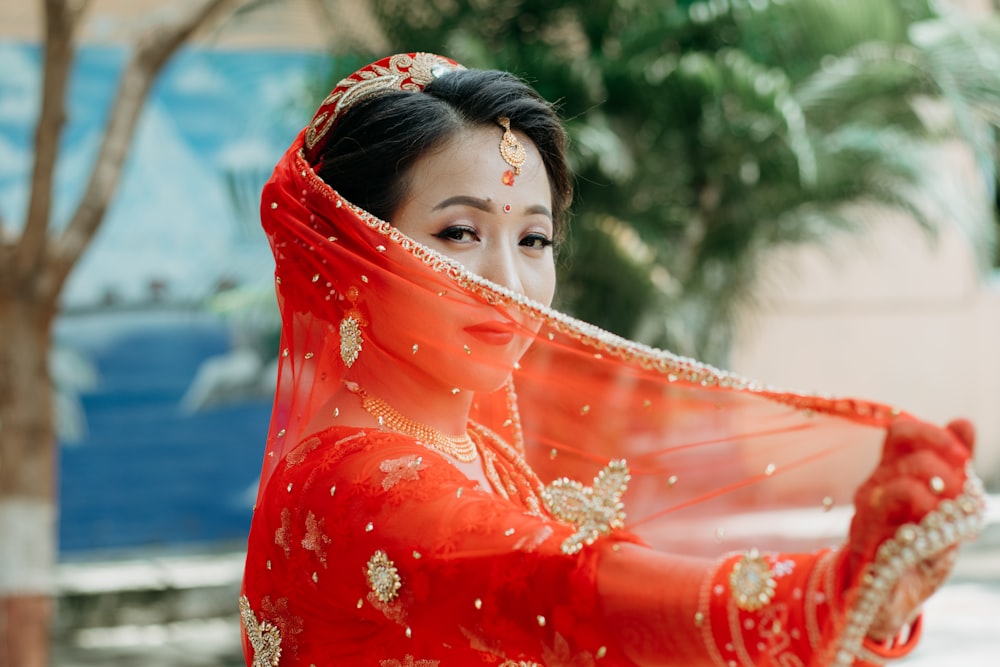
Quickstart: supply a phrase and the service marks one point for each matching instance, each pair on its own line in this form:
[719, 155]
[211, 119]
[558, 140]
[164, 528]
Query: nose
[500, 265]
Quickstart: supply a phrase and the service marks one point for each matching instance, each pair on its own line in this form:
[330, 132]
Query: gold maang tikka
[511, 151]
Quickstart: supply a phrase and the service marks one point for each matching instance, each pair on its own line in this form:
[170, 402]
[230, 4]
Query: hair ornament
[401, 72]
[511, 151]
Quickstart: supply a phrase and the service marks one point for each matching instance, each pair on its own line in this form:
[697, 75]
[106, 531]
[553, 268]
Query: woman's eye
[536, 242]
[460, 234]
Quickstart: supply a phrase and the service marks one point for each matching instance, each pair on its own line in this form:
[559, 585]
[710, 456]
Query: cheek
[543, 287]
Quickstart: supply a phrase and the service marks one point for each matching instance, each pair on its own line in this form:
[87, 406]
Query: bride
[456, 474]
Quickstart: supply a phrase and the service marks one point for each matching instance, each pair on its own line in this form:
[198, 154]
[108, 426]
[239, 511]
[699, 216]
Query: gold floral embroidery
[315, 538]
[298, 455]
[595, 510]
[519, 663]
[282, 533]
[561, 652]
[406, 468]
[264, 637]
[752, 582]
[409, 661]
[383, 577]
[394, 611]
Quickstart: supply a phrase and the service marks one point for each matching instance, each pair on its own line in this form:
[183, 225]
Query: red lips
[493, 332]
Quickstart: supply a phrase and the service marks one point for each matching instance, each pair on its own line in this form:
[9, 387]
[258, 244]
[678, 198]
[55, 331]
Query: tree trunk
[33, 269]
[27, 481]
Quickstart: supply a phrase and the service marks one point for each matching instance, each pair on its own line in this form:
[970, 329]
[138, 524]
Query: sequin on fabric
[264, 637]
[595, 510]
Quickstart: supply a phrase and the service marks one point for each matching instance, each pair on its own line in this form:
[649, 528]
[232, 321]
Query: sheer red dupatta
[711, 455]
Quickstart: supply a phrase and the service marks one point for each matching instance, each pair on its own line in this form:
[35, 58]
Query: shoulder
[370, 458]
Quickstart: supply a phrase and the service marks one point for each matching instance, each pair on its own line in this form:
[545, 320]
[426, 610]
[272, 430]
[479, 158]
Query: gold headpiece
[511, 149]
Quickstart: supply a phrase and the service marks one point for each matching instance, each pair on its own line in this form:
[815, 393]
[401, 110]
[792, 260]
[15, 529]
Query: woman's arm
[801, 609]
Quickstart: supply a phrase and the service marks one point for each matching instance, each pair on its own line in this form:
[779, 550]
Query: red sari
[372, 549]
[369, 547]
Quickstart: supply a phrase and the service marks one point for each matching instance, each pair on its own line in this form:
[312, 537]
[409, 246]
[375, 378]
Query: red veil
[712, 456]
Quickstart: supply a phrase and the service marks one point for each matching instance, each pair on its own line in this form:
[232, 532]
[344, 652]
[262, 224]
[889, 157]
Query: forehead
[470, 162]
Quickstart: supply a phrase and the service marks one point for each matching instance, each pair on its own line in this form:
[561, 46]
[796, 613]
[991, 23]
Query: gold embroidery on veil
[595, 510]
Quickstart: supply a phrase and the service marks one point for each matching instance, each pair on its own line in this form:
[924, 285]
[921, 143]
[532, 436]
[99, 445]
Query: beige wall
[892, 315]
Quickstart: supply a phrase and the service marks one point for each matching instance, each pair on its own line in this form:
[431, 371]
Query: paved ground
[962, 625]
[211, 643]
[962, 628]
[962, 621]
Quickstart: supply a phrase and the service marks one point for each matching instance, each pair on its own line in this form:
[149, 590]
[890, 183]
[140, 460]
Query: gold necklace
[461, 447]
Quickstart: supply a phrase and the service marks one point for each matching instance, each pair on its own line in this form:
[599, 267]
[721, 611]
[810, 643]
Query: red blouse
[369, 548]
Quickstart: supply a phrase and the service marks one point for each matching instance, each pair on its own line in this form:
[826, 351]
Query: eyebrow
[538, 208]
[466, 200]
[485, 205]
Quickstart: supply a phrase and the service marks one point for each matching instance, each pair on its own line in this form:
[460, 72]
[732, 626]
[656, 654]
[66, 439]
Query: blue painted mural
[164, 401]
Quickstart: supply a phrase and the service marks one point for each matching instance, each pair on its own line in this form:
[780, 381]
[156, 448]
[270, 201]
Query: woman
[415, 510]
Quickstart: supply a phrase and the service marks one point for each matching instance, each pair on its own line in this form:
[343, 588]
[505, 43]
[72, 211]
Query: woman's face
[458, 204]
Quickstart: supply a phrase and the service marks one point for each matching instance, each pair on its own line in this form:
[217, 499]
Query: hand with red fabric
[921, 465]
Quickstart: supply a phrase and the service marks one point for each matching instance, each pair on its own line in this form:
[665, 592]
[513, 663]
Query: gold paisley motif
[264, 637]
[595, 510]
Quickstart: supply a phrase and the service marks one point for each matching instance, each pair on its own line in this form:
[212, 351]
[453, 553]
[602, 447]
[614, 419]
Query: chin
[485, 377]
[489, 383]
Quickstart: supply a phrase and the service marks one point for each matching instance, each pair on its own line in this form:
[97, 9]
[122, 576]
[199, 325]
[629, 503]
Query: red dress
[369, 548]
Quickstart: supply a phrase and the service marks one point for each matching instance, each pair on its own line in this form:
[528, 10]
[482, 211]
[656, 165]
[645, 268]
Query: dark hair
[370, 150]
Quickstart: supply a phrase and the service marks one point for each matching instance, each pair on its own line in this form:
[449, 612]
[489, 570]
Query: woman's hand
[921, 465]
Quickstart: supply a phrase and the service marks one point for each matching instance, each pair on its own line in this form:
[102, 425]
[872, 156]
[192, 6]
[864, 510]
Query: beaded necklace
[460, 447]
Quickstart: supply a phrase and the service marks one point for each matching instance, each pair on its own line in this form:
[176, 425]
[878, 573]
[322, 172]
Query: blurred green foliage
[705, 134]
